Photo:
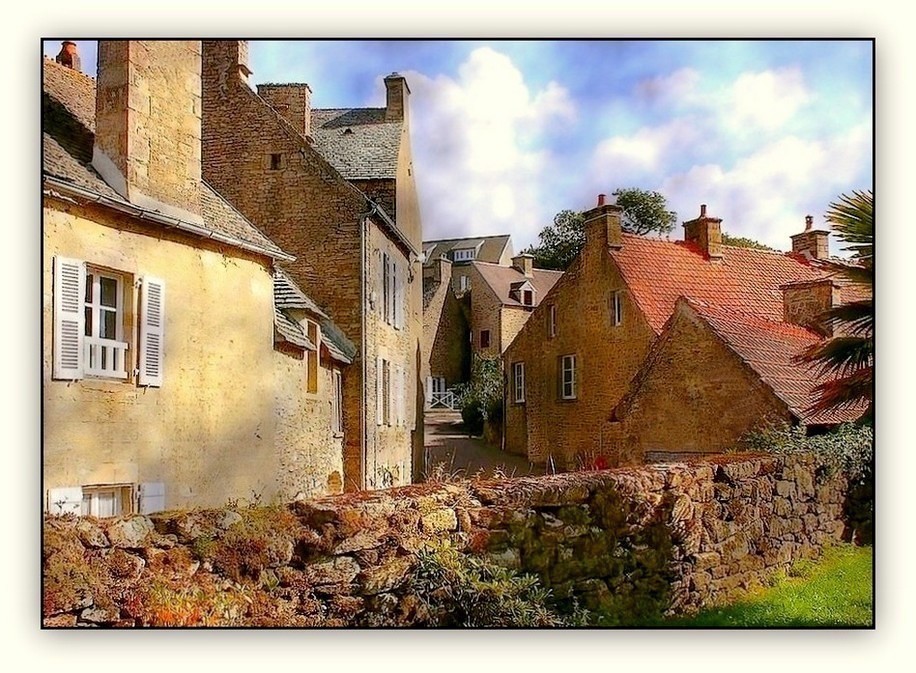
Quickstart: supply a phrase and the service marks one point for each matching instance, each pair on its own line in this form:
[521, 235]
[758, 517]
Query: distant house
[649, 347]
[462, 251]
[446, 332]
[336, 189]
[180, 368]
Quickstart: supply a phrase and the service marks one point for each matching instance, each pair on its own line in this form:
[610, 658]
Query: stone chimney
[225, 58]
[68, 57]
[524, 263]
[292, 101]
[439, 270]
[812, 243]
[706, 232]
[147, 119]
[804, 303]
[396, 98]
[602, 225]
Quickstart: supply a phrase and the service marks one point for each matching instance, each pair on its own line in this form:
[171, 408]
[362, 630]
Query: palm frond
[852, 218]
[840, 356]
[842, 393]
[856, 318]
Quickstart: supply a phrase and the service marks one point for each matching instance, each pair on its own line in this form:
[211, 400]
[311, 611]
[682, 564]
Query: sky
[505, 134]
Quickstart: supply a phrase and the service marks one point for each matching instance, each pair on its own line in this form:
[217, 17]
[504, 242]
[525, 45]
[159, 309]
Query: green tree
[644, 212]
[847, 359]
[743, 242]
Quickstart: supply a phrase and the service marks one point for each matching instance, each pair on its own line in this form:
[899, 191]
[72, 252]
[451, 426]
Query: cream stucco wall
[209, 433]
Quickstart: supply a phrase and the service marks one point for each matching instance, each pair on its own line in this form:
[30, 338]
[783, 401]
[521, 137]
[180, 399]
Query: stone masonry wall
[631, 542]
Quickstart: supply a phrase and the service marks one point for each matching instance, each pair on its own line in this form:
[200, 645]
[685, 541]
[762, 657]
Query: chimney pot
[809, 222]
[601, 199]
[69, 55]
[706, 232]
[702, 210]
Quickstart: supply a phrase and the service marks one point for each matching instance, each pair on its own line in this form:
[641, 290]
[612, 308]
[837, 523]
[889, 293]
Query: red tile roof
[770, 348]
[657, 272]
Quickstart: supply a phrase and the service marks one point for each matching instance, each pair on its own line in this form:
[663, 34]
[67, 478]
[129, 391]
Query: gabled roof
[288, 296]
[657, 272]
[358, 142]
[769, 348]
[68, 131]
[502, 278]
[489, 248]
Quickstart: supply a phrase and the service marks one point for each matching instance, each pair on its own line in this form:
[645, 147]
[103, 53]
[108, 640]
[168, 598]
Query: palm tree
[847, 360]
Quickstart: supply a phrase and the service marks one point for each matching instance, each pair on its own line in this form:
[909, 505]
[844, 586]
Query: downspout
[363, 412]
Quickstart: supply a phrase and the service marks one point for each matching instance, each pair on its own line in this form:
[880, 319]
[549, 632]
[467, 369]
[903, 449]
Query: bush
[481, 399]
[462, 590]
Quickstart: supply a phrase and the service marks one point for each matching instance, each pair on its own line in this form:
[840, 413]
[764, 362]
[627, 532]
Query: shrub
[481, 399]
[463, 590]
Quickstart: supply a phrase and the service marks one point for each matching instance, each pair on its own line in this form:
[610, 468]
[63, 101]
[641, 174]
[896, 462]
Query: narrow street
[452, 453]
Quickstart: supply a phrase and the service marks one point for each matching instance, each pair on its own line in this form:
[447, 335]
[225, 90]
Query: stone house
[446, 348]
[462, 251]
[179, 367]
[585, 346]
[502, 299]
[336, 189]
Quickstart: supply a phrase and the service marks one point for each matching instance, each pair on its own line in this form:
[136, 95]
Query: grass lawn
[835, 590]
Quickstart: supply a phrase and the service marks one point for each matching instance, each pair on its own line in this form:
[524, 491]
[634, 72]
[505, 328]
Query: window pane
[109, 291]
[108, 504]
[109, 324]
[88, 329]
[89, 286]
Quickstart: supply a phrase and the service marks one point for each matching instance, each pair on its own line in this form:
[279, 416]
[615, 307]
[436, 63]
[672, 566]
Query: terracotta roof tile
[68, 126]
[501, 278]
[657, 272]
[769, 348]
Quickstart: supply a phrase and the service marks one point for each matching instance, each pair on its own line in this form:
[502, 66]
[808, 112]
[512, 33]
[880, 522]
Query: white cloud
[624, 160]
[678, 88]
[477, 142]
[766, 100]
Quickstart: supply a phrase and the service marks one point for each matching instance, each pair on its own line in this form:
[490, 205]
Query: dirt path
[456, 454]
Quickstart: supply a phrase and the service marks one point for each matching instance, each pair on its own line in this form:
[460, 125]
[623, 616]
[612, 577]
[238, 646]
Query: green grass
[834, 591]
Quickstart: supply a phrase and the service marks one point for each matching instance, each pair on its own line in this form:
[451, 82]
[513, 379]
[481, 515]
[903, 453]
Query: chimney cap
[702, 210]
[809, 222]
[602, 198]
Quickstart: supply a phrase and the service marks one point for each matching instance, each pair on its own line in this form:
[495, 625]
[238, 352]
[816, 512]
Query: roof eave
[122, 206]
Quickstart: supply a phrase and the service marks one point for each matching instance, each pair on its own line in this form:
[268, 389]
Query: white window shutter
[69, 321]
[379, 393]
[67, 500]
[152, 497]
[152, 331]
[398, 297]
[399, 394]
[429, 390]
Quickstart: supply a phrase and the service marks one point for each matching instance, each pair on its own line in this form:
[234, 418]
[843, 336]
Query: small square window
[485, 338]
[276, 162]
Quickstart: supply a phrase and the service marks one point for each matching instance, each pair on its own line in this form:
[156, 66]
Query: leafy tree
[481, 398]
[644, 212]
[848, 358]
[744, 242]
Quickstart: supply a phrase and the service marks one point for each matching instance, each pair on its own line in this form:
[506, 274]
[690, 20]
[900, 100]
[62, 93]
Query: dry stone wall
[630, 542]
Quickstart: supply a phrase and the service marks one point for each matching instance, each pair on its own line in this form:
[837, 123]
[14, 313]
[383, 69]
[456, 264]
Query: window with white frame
[551, 321]
[567, 379]
[464, 255]
[615, 307]
[528, 297]
[92, 323]
[337, 404]
[464, 283]
[106, 500]
[518, 377]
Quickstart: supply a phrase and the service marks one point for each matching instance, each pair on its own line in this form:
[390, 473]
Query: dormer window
[465, 255]
[528, 297]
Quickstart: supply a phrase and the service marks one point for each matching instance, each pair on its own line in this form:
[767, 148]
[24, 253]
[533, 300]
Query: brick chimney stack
[397, 92]
[524, 263]
[69, 56]
[293, 102]
[439, 270]
[812, 243]
[706, 232]
[602, 225]
[148, 124]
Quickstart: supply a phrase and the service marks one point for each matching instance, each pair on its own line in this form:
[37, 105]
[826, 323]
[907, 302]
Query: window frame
[518, 382]
[568, 364]
[616, 308]
[489, 338]
[337, 403]
[125, 494]
[464, 283]
[528, 297]
[464, 255]
[95, 346]
[312, 358]
[551, 321]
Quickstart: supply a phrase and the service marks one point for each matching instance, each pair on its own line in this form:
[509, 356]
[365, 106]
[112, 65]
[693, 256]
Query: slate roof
[490, 248]
[658, 271]
[68, 131]
[769, 348]
[501, 279]
[358, 142]
[287, 296]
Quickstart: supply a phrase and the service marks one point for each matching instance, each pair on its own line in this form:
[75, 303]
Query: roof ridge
[464, 238]
[71, 71]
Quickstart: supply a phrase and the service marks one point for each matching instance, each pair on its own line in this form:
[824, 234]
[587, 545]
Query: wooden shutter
[429, 390]
[67, 500]
[379, 393]
[69, 321]
[386, 290]
[152, 331]
[152, 497]
[398, 296]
